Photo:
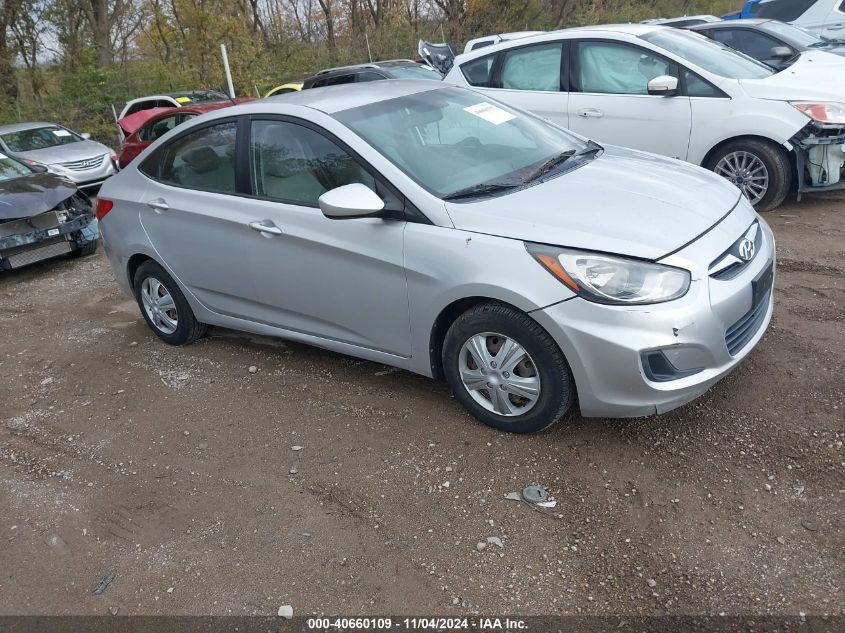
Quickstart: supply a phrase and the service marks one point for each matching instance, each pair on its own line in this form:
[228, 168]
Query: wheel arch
[133, 264]
[748, 137]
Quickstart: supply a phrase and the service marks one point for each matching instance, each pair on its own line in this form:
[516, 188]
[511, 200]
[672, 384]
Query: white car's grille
[83, 165]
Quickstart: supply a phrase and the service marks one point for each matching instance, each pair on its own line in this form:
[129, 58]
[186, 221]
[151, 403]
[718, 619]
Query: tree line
[69, 60]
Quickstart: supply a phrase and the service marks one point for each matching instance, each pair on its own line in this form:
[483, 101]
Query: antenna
[369, 52]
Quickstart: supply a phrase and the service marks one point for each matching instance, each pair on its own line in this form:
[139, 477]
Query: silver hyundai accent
[435, 229]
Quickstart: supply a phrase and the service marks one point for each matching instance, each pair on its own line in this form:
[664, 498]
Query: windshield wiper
[562, 158]
[479, 190]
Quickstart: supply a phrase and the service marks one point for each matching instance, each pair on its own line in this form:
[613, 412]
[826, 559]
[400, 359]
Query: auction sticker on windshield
[61, 133]
[489, 112]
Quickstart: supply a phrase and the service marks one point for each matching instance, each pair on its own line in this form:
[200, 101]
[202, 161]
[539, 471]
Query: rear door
[196, 220]
[530, 77]
[609, 102]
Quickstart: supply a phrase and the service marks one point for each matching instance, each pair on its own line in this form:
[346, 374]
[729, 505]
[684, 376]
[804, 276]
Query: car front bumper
[22, 249]
[609, 347]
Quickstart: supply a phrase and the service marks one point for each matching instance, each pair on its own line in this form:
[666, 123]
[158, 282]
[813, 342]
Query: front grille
[741, 332]
[730, 264]
[83, 165]
[43, 251]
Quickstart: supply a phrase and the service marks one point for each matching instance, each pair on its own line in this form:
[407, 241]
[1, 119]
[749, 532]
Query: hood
[624, 202]
[815, 75]
[33, 195]
[439, 56]
[81, 150]
[134, 122]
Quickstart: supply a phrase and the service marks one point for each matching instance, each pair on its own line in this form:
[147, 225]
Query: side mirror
[86, 136]
[781, 52]
[350, 201]
[663, 86]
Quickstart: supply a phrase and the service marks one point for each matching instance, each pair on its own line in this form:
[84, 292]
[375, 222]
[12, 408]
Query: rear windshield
[200, 96]
[11, 169]
[39, 138]
[709, 55]
[414, 72]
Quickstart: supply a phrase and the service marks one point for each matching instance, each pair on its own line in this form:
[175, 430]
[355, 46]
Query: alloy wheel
[747, 171]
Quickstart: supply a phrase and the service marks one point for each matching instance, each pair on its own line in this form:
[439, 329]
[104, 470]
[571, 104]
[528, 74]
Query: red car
[144, 127]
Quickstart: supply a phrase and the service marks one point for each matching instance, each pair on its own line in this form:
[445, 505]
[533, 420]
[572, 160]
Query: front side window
[450, 139]
[697, 87]
[204, 159]
[751, 43]
[479, 72]
[295, 164]
[708, 54]
[415, 72]
[533, 68]
[157, 129]
[610, 68]
[338, 80]
[370, 76]
[39, 138]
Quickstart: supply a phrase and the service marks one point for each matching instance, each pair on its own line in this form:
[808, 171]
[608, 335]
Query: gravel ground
[341, 486]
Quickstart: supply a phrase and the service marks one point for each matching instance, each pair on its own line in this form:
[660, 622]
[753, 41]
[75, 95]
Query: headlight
[823, 112]
[612, 280]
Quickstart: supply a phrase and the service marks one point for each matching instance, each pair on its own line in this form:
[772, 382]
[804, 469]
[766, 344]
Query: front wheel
[506, 370]
[760, 169]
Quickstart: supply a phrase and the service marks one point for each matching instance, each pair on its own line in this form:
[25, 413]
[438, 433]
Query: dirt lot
[175, 469]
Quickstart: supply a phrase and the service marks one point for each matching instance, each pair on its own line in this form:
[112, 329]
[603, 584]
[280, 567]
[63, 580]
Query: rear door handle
[158, 205]
[265, 227]
[590, 113]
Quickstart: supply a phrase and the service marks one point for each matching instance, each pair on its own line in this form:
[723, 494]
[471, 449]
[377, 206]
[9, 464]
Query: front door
[342, 280]
[610, 101]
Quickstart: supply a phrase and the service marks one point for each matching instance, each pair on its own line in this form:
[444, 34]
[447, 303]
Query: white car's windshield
[39, 138]
[795, 35]
[452, 140]
[709, 55]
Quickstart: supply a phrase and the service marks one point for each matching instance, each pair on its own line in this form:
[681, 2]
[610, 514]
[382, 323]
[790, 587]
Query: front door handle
[265, 227]
[590, 113]
[158, 205]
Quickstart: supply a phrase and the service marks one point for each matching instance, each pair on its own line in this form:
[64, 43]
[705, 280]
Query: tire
[86, 249]
[174, 325]
[778, 169]
[542, 364]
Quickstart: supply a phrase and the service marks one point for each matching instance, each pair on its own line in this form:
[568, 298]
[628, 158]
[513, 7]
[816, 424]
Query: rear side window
[204, 159]
[295, 164]
[479, 72]
[339, 79]
[533, 68]
[370, 76]
[156, 129]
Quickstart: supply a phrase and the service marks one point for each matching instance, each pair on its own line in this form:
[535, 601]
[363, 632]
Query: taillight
[103, 207]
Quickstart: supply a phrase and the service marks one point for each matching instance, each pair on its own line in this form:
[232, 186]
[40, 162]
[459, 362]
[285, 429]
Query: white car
[489, 40]
[826, 17]
[171, 100]
[676, 93]
[683, 21]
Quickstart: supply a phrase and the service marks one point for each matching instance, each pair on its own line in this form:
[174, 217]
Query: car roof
[730, 24]
[20, 127]
[384, 64]
[330, 99]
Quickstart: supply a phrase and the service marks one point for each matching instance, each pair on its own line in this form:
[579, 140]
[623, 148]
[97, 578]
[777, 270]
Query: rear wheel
[506, 370]
[164, 307]
[760, 169]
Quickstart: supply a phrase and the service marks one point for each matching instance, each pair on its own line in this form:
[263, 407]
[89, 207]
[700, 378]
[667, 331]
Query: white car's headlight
[612, 280]
[823, 111]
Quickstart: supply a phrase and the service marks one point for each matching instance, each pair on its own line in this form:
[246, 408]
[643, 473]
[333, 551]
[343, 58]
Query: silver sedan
[435, 229]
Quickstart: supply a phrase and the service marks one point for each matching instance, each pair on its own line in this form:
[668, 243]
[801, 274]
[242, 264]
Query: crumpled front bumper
[76, 232]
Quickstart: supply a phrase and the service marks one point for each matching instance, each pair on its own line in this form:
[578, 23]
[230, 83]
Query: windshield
[39, 138]
[11, 169]
[414, 72]
[450, 140]
[200, 96]
[709, 55]
[796, 36]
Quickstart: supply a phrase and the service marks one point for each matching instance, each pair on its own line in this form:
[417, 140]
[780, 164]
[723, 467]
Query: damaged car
[679, 94]
[42, 215]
